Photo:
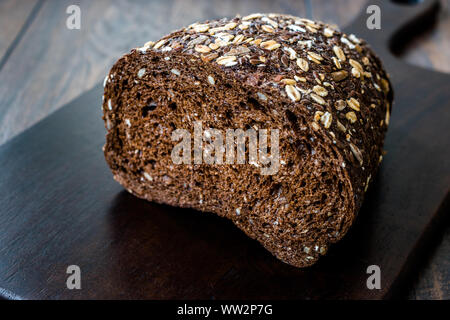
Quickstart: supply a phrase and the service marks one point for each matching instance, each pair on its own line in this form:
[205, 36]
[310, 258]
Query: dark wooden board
[60, 206]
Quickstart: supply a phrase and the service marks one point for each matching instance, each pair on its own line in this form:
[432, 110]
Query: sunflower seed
[243, 26]
[365, 61]
[354, 39]
[321, 91]
[356, 73]
[227, 61]
[327, 32]
[303, 64]
[311, 29]
[202, 48]
[341, 126]
[199, 40]
[327, 84]
[201, 27]
[176, 45]
[238, 39]
[348, 43]
[351, 116]
[339, 75]
[209, 57]
[336, 62]
[340, 105]
[292, 53]
[305, 43]
[384, 85]
[292, 93]
[143, 49]
[159, 44]
[388, 115]
[224, 37]
[315, 56]
[357, 153]
[367, 183]
[315, 126]
[317, 98]
[354, 104]
[148, 177]
[230, 26]
[256, 42]
[291, 82]
[355, 64]
[318, 115]
[326, 119]
[270, 45]
[339, 53]
[270, 21]
[141, 73]
[252, 16]
[149, 44]
[296, 28]
[240, 50]
[267, 28]
[213, 46]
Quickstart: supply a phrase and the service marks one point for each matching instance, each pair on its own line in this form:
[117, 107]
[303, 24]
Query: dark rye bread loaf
[325, 91]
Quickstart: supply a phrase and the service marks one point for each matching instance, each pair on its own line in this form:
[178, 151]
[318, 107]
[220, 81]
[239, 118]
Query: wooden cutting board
[59, 206]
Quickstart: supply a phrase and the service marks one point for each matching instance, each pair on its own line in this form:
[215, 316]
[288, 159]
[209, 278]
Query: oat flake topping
[312, 64]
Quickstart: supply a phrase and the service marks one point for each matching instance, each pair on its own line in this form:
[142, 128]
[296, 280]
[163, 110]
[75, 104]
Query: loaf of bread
[185, 114]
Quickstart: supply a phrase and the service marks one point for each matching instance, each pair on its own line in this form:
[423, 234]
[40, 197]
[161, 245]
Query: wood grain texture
[431, 50]
[432, 281]
[13, 17]
[51, 65]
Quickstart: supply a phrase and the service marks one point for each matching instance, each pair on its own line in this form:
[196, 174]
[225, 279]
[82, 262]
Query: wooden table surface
[44, 65]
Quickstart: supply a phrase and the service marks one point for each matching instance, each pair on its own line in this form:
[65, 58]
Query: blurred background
[44, 64]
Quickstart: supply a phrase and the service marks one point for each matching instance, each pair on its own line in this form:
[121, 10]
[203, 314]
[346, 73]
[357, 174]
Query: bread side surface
[326, 93]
